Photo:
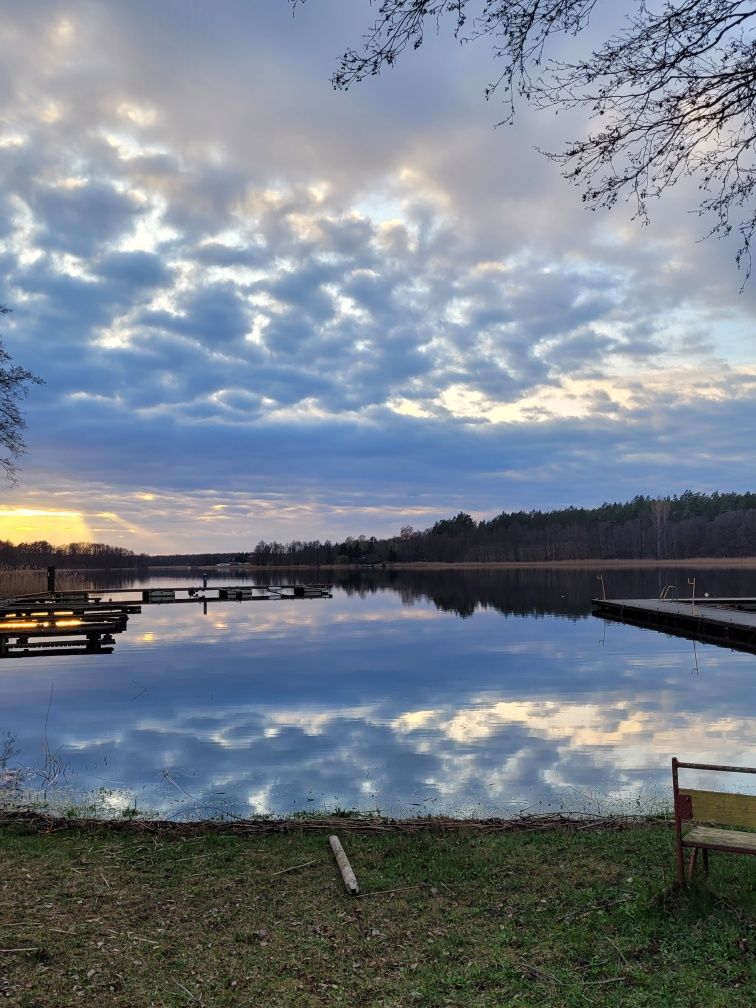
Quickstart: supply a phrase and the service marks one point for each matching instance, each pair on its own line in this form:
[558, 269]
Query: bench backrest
[724, 808]
[720, 807]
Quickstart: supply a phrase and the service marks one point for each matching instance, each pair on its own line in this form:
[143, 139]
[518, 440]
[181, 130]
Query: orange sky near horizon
[21, 524]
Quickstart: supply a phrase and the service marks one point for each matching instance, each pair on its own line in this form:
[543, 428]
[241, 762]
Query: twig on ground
[305, 864]
[617, 949]
[192, 997]
[134, 937]
[389, 892]
[594, 909]
[535, 972]
[448, 888]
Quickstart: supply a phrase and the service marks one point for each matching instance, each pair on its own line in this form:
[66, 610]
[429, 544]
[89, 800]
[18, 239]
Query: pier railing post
[51, 579]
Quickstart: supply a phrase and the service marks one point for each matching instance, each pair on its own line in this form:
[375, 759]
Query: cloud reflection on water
[364, 701]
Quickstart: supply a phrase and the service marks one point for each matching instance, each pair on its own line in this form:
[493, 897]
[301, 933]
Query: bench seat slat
[707, 836]
[722, 807]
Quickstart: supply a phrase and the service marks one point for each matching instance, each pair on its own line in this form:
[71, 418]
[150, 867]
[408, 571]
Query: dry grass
[16, 581]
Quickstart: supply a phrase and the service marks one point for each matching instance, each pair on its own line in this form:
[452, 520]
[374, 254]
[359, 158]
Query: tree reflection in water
[384, 697]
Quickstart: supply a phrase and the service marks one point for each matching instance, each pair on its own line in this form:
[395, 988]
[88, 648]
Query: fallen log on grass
[350, 879]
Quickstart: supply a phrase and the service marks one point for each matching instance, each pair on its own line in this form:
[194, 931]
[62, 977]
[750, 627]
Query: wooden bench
[711, 807]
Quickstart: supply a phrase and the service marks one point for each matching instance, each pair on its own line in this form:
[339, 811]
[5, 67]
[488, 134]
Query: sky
[267, 310]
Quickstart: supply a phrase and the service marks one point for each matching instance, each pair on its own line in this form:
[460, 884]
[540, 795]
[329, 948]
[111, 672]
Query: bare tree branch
[672, 95]
[14, 382]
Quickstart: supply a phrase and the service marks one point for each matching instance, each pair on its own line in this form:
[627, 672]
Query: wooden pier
[36, 629]
[730, 622]
[85, 622]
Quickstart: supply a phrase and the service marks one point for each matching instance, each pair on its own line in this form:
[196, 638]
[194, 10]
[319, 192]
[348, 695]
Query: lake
[424, 692]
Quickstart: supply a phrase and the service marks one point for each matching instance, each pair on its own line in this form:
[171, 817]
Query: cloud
[79, 218]
[241, 279]
[372, 729]
[136, 271]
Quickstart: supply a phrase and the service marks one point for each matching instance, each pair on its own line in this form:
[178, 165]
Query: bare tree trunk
[660, 509]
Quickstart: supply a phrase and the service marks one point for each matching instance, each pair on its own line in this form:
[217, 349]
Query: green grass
[559, 918]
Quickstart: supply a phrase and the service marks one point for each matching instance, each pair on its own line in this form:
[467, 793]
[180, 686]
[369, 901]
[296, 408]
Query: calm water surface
[457, 692]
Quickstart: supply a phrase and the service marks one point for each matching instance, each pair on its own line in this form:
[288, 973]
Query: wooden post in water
[51, 579]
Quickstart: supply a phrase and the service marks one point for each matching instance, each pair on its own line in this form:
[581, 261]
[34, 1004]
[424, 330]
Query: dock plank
[711, 610]
[730, 622]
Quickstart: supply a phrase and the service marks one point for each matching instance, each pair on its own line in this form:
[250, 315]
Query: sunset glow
[33, 525]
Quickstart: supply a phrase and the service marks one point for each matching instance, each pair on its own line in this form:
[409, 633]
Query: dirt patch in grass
[556, 917]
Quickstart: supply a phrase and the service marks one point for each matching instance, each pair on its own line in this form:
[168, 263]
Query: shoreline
[49, 822]
[694, 562]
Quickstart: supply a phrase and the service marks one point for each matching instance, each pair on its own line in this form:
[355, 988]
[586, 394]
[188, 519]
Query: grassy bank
[559, 917]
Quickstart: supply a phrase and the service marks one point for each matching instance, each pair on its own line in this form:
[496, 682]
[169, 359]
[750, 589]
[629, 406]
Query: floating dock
[85, 622]
[130, 600]
[725, 621]
[227, 593]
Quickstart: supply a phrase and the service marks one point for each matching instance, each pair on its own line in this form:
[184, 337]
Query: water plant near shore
[16, 581]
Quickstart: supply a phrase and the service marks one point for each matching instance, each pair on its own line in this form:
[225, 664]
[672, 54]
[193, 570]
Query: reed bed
[15, 581]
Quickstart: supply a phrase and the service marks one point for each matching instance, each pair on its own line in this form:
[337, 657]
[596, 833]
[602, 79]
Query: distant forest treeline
[75, 555]
[680, 527]
[645, 528]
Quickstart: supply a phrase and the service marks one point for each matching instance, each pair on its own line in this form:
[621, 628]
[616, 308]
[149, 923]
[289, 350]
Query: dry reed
[433, 824]
[15, 581]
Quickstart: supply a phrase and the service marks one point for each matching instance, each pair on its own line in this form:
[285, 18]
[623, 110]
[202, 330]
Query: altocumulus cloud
[336, 312]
